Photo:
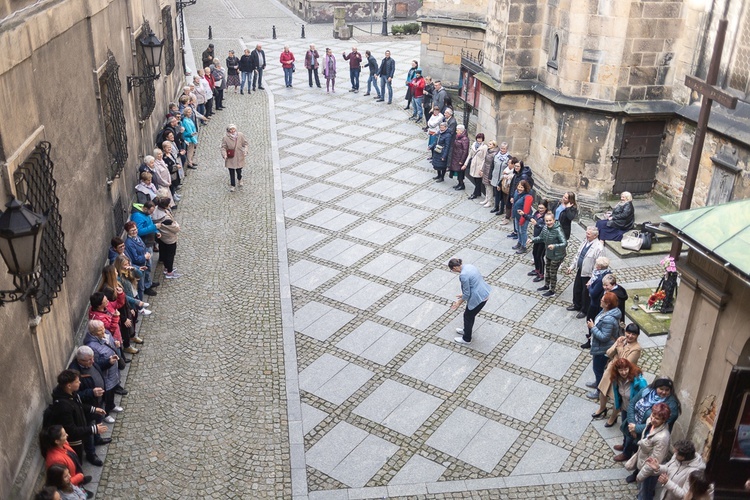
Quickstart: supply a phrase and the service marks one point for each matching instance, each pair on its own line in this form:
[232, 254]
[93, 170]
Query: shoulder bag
[632, 241]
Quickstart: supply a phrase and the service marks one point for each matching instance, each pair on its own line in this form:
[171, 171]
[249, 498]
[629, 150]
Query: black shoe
[494, 210]
[126, 359]
[407, 107]
[571, 308]
[440, 180]
[380, 100]
[580, 315]
[473, 196]
[261, 88]
[512, 235]
[154, 284]
[516, 246]
[586, 345]
[86, 480]
[192, 167]
[436, 177]
[150, 292]
[460, 188]
[241, 92]
[366, 93]
[455, 187]
[531, 273]
[103, 441]
[94, 460]
[424, 129]
[121, 391]
[548, 294]
[631, 478]
[538, 279]
[89, 494]
[542, 288]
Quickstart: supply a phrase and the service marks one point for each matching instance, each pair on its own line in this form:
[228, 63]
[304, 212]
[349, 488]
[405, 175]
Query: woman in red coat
[53, 442]
[287, 63]
[459, 152]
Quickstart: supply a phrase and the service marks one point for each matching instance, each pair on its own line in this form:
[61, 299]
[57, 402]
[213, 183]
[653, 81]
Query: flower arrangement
[668, 264]
[656, 299]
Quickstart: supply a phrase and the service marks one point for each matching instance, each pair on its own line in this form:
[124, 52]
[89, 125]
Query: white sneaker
[176, 197]
[145, 305]
[109, 420]
[239, 183]
[460, 340]
[172, 275]
[118, 409]
[145, 312]
[460, 331]
[231, 189]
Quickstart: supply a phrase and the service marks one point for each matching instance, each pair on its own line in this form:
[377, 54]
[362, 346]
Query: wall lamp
[20, 240]
[152, 48]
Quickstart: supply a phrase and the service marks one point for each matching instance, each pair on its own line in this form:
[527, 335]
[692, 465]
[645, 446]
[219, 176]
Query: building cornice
[453, 23]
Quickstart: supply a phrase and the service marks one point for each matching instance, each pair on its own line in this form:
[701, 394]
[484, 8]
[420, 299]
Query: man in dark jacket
[68, 410]
[258, 64]
[355, 67]
[91, 391]
[208, 56]
[386, 72]
[439, 95]
[246, 70]
[372, 65]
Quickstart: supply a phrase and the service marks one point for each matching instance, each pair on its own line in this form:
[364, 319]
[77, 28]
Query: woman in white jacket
[674, 474]
[653, 447]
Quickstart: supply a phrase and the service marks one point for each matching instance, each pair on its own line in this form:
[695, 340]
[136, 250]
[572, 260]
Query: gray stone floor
[308, 350]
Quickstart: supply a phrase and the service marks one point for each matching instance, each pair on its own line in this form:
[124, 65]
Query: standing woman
[287, 63]
[409, 77]
[475, 161]
[506, 179]
[429, 88]
[566, 211]
[168, 228]
[233, 71]
[190, 135]
[625, 347]
[539, 248]
[627, 381]
[605, 329]
[459, 156]
[440, 152]
[474, 292]
[488, 171]
[311, 63]
[329, 71]
[522, 203]
[653, 448]
[234, 148]
[433, 127]
[502, 159]
[555, 246]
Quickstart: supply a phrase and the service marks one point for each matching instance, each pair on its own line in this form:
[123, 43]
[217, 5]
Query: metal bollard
[303, 31]
[210, 35]
[273, 29]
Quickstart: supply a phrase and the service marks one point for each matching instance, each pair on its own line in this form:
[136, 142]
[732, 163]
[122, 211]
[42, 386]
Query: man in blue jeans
[372, 65]
[246, 70]
[387, 69]
[474, 293]
[355, 66]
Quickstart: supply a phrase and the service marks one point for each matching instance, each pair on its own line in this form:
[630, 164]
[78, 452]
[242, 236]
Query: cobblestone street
[308, 350]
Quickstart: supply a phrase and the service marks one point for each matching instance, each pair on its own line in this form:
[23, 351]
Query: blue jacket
[190, 129]
[103, 349]
[671, 401]
[473, 287]
[605, 331]
[146, 226]
[135, 249]
[639, 383]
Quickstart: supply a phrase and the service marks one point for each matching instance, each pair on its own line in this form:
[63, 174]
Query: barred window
[166, 19]
[146, 91]
[119, 216]
[36, 186]
[113, 114]
[738, 74]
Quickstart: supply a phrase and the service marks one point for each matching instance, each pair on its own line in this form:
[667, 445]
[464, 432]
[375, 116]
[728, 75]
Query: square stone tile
[343, 252]
[572, 418]
[444, 284]
[324, 123]
[377, 343]
[558, 321]
[333, 379]
[375, 232]
[327, 138]
[329, 218]
[357, 292]
[416, 144]
[313, 168]
[486, 263]
[350, 178]
[389, 189]
[354, 130]
[541, 458]
[309, 314]
[377, 166]
[473, 211]
[450, 227]
[486, 335]
[361, 203]
[406, 215]
[398, 407]
[494, 239]
[511, 394]
[392, 267]
[348, 115]
[399, 155]
[364, 147]
[311, 417]
[290, 182]
[413, 311]
[328, 324]
[340, 158]
[334, 447]
[542, 356]
[294, 208]
[440, 367]
[321, 192]
[386, 138]
[423, 246]
[307, 149]
[418, 470]
[309, 275]
[299, 238]
[431, 199]
[474, 439]
[364, 461]
[300, 132]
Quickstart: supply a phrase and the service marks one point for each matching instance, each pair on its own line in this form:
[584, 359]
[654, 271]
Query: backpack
[47, 416]
[448, 101]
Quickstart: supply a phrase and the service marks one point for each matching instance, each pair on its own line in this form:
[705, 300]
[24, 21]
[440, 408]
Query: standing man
[417, 94]
[474, 292]
[220, 83]
[258, 61]
[372, 65]
[246, 69]
[355, 66]
[311, 63]
[438, 96]
[583, 265]
[386, 72]
[208, 56]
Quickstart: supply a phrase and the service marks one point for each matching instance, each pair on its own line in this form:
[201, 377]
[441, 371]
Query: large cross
[710, 93]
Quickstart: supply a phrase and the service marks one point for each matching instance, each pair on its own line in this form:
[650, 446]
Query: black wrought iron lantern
[151, 48]
[20, 240]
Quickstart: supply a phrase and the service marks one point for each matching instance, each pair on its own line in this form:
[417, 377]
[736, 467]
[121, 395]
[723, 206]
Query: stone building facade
[71, 139]
[321, 11]
[591, 94]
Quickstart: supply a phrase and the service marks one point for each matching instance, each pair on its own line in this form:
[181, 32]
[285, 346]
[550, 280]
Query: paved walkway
[309, 350]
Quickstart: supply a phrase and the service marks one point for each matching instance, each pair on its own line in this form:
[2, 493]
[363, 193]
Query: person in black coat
[68, 410]
[246, 70]
[91, 390]
[566, 212]
[620, 221]
[609, 283]
[258, 64]
[441, 152]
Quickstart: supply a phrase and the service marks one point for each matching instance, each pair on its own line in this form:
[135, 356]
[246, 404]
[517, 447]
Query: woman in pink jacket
[329, 71]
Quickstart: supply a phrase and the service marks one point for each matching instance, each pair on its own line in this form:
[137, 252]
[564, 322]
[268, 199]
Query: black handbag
[645, 240]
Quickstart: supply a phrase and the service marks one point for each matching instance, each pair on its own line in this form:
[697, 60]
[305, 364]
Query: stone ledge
[453, 23]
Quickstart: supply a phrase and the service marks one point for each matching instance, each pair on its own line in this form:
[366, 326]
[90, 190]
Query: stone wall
[440, 55]
[49, 89]
[321, 11]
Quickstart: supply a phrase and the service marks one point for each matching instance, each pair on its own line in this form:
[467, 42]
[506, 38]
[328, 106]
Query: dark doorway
[638, 156]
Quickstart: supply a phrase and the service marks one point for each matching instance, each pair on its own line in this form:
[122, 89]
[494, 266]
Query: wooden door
[638, 156]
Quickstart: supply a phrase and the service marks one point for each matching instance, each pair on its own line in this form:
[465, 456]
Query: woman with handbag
[441, 152]
[539, 249]
[605, 329]
[234, 149]
[433, 127]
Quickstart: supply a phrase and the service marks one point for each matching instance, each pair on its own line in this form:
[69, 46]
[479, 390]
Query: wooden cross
[710, 93]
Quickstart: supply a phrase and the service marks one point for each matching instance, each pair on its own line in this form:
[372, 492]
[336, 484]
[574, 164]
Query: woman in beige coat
[625, 347]
[652, 448]
[234, 149]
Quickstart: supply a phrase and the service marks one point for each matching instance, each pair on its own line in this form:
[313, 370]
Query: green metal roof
[723, 230]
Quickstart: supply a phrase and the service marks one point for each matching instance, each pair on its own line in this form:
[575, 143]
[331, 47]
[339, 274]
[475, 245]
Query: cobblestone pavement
[307, 352]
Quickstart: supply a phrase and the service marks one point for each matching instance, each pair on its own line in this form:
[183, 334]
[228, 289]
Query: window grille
[113, 113]
[738, 74]
[166, 19]
[36, 186]
[146, 91]
[119, 216]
